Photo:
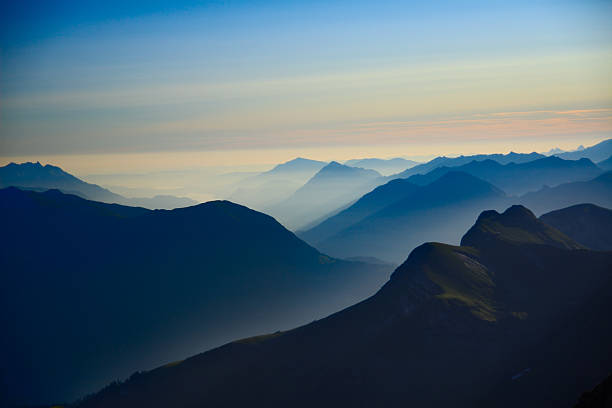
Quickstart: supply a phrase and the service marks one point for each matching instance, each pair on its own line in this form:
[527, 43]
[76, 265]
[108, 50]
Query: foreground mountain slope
[597, 191]
[332, 187]
[34, 176]
[516, 316]
[444, 208]
[587, 224]
[120, 288]
[599, 397]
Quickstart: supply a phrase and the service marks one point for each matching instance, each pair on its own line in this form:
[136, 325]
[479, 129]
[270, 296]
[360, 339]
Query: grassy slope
[452, 326]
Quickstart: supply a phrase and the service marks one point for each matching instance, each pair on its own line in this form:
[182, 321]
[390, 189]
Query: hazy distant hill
[518, 315]
[461, 160]
[512, 178]
[48, 177]
[297, 165]
[605, 164]
[587, 224]
[597, 191]
[35, 176]
[370, 203]
[384, 167]
[273, 186]
[516, 179]
[595, 153]
[553, 151]
[393, 219]
[333, 186]
[101, 290]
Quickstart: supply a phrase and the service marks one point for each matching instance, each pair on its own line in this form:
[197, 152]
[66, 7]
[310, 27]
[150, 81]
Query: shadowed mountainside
[461, 160]
[355, 231]
[396, 217]
[605, 164]
[515, 316]
[587, 224]
[598, 397]
[102, 290]
[34, 176]
[597, 191]
[370, 203]
[516, 179]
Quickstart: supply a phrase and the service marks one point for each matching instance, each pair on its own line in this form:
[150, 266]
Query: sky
[107, 86]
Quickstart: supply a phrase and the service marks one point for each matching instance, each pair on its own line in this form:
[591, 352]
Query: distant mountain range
[595, 153]
[461, 160]
[276, 192]
[273, 186]
[597, 191]
[91, 292]
[333, 186]
[336, 187]
[384, 167]
[518, 315]
[396, 217]
[516, 179]
[35, 176]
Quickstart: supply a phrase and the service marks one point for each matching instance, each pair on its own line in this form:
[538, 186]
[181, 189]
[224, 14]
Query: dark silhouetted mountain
[595, 153]
[521, 178]
[587, 224]
[91, 292]
[597, 191]
[384, 167]
[370, 203]
[273, 186]
[519, 319]
[516, 226]
[36, 177]
[334, 186]
[461, 160]
[605, 164]
[396, 217]
[598, 397]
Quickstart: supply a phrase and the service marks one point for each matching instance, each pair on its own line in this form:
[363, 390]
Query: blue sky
[134, 77]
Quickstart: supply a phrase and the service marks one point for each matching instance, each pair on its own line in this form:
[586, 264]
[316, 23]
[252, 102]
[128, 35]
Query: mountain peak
[518, 212]
[338, 168]
[464, 181]
[517, 225]
[299, 164]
